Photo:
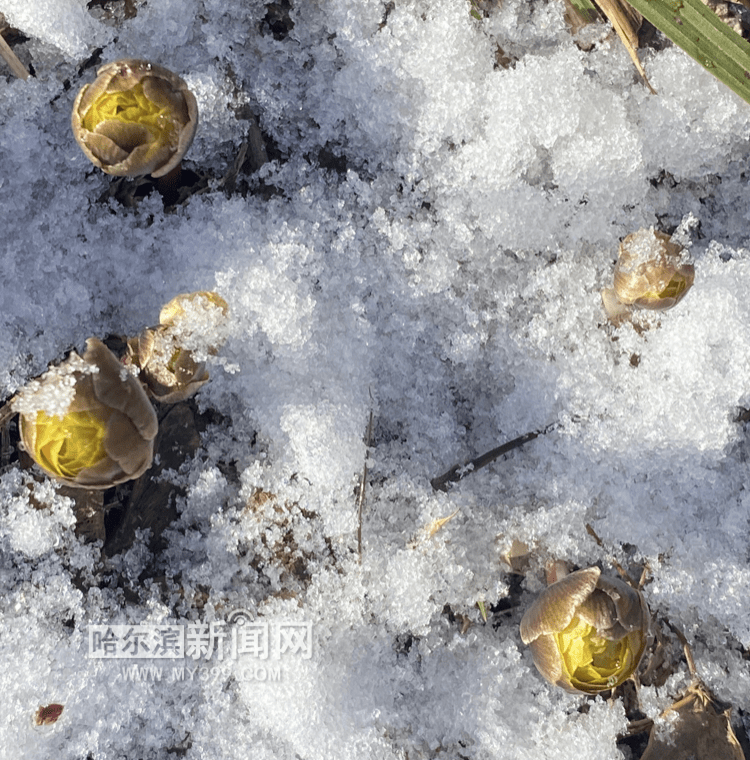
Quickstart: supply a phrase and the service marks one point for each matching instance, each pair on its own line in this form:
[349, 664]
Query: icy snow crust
[448, 278]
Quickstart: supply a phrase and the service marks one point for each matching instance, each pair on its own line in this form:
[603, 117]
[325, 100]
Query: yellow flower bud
[652, 272]
[165, 354]
[98, 427]
[178, 308]
[586, 633]
[136, 118]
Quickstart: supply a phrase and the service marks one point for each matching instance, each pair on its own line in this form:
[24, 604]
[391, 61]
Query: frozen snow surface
[427, 243]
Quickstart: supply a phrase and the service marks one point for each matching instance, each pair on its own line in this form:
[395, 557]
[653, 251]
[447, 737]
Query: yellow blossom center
[591, 662]
[130, 106]
[674, 289]
[66, 445]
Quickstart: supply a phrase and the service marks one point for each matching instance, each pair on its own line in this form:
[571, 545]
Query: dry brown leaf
[47, 715]
[517, 557]
[626, 22]
[436, 525]
[702, 731]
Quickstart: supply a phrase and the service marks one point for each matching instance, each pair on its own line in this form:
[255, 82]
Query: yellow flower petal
[66, 445]
[591, 662]
[133, 107]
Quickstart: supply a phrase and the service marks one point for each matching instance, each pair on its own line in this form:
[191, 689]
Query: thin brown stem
[685, 648]
[169, 185]
[620, 569]
[12, 60]
[6, 411]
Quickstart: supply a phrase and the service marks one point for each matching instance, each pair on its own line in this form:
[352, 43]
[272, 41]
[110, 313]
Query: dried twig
[685, 648]
[6, 415]
[362, 486]
[12, 60]
[6, 411]
[460, 471]
[617, 566]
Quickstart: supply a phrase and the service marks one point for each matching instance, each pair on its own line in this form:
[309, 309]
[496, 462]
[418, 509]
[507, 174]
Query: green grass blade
[699, 32]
